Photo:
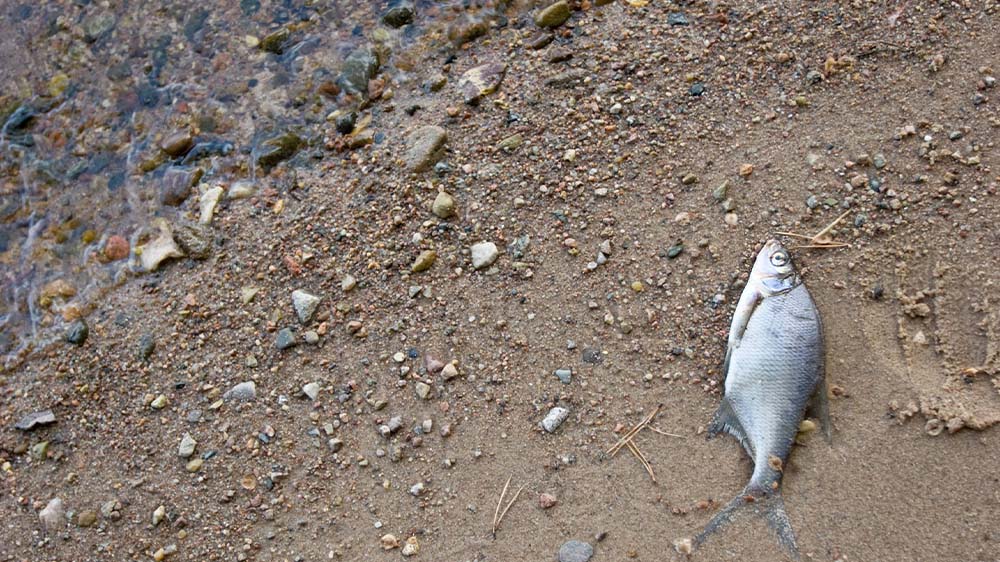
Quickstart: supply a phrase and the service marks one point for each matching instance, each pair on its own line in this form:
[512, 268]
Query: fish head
[773, 271]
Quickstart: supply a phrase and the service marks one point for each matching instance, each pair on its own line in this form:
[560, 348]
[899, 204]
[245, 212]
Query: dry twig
[821, 239]
[642, 458]
[661, 432]
[632, 432]
[498, 515]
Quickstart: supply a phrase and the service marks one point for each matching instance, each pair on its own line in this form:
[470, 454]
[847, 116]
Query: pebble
[575, 551]
[278, 148]
[53, 516]
[243, 392]
[40, 451]
[116, 248]
[344, 123]
[554, 419]
[449, 371]
[159, 250]
[285, 339]
[389, 542]
[444, 205]
[348, 283]
[147, 344]
[305, 305]
[411, 547]
[696, 89]
[426, 147]
[592, 355]
[186, 448]
[675, 250]
[677, 18]
[311, 390]
[77, 332]
[195, 239]
[417, 489]
[35, 419]
[481, 81]
[335, 444]
[554, 15]
[158, 514]
[399, 15]
[564, 375]
[484, 254]
[546, 501]
[423, 390]
[276, 41]
[207, 203]
[359, 67]
[241, 189]
[159, 403]
[194, 465]
[86, 519]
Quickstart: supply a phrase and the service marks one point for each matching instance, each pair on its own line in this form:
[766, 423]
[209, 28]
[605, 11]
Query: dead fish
[774, 371]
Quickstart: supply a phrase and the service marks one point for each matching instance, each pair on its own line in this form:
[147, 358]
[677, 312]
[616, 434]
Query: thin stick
[830, 226]
[661, 432]
[826, 245]
[642, 459]
[795, 235]
[496, 513]
[631, 433]
[506, 509]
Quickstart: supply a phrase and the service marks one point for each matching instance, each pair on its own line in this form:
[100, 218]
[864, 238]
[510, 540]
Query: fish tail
[770, 506]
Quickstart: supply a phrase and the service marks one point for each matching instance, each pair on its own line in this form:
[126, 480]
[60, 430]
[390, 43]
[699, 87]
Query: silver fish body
[774, 371]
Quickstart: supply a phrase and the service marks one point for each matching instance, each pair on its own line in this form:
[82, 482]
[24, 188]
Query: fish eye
[779, 259]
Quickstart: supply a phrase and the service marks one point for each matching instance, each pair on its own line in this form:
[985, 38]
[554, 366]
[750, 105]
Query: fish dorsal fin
[725, 421]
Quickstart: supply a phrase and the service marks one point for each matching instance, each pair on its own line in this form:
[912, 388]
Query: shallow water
[91, 92]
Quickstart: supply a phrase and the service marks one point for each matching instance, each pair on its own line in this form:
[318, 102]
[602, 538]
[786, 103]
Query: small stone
[481, 81]
[177, 144]
[158, 514]
[508, 144]
[77, 332]
[575, 551]
[449, 371]
[417, 489]
[564, 375]
[812, 202]
[194, 238]
[814, 76]
[546, 501]
[335, 444]
[344, 123]
[746, 170]
[433, 365]
[411, 547]
[194, 465]
[311, 390]
[305, 305]
[689, 179]
[554, 15]
[684, 546]
[879, 161]
[554, 419]
[35, 419]
[423, 390]
[637, 286]
[206, 205]
[389, 542]
[444, 205]
[540, 40]
[147, 344]
[285, 339]
[399, 15]
[176, 184]
[243, 392]
[116, 248]
[359, 68]
[426, 147]
[86, 519]
[348, 283]
[696, 89]
[484, 254]
[276, 42]
[311, 337]
[677, 18]
[277, 149]
[53, 516]
[424, 261]
[159, 403]
[40, 451]
[241, 189]
[186, 447]
[675, 250]
[162, 248]
[592, 356]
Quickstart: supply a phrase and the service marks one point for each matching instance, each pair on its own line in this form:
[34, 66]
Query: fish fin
[771, 506]
[741, 317]
[725, 421]
[819, 408]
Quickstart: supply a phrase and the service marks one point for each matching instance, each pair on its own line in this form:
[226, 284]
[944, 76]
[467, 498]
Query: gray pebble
[554, 419]
[564, 375]
[575, 551]
[243, 392]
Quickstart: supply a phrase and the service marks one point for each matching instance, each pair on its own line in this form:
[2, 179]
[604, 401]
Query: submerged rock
[195, 239]
[399, 15]
[359, 67]
[77, 332]
[554, 15]
[176, 184]
[277, 149]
